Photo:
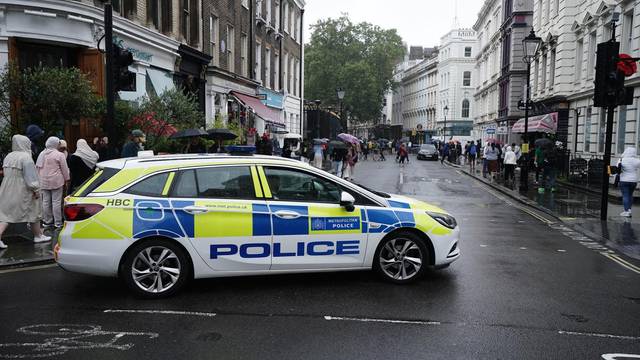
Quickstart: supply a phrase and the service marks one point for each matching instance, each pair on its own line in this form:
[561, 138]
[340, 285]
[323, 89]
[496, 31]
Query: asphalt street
[524, 288]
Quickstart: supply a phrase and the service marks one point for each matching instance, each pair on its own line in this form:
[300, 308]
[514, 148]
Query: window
[292, 15]
[214, 32]
[292, 185]
[543, 80]
[539, 12]
[278, 17]
[231, 48]
[465, 109]
[216, 183]
[602, 129]
[276, 72]
[547, 10]
[126, 8]
[622, 128]
[291, 74]
[244, 49]
[258, 65]
[466, 78]
[557, 7]
[286, 16]
[285, 73]
[552, 68]
[579, 51]
[627, 32]
[535, 78]
[258, 8]
[591, 60]
[189, 21]
[159, 14]
[267, 67]
[151, 186]
[296, 83]
[467, 51]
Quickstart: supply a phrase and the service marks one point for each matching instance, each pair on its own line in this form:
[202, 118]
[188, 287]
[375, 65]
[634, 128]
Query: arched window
[465, 108]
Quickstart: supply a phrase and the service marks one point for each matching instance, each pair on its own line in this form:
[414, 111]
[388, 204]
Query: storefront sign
[271, 98]
[490, 131]
[502, 130]
[137, 54]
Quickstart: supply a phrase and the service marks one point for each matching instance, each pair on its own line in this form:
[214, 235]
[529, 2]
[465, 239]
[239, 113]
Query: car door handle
[195, 210]
[288, 215]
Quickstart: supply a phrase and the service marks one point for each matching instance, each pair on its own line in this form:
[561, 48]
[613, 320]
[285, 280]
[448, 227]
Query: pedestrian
[491, 156]
[34, 133]
[445, 152]
[458, 153]
[317, 155]
[19, 191]
[500, 158]
[471, 155]
[105, 152]
[365, 152]
[403, 153]
[538, 162]
[135, 145]
[82, 163]
[338, 155]
[629, 165]
[382, 146]
[195, 146]
[350, 161]
[54, 178]
[549, 164]
[63, 149]
[510, 162]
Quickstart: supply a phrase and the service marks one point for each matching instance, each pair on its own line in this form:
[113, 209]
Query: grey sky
[419, 22]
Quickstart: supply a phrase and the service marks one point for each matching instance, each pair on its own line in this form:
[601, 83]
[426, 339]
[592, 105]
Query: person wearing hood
[510, 162]
[34, 133]
[19, 191]
[628, 167]
[54, 175]
[82, 163]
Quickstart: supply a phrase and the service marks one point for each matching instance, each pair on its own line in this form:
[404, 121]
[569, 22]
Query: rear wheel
[401, 258]
[155, 268]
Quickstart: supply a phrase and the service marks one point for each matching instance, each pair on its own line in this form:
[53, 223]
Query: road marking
[560, 250]
[483, 245]
[621, 262]
[622, 356]
[610, 336]
[28, 268]
[162, 312]
[390, 321]
[523, 248]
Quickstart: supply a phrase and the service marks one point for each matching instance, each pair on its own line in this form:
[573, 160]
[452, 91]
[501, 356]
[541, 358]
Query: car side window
[151, 186]
[233, 182]
[292, 185]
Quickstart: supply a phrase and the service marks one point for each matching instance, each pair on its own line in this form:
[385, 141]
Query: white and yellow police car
[157, 222]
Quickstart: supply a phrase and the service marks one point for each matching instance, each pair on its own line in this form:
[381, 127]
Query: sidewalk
[581, 210]
[22, 250]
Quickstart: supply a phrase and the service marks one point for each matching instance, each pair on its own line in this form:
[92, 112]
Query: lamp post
[341, 93]
[317, 102]
[445, 110]
[530, 44]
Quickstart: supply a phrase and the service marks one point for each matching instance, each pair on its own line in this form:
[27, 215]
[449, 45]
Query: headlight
[444, 219]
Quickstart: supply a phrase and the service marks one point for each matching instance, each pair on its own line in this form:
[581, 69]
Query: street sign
[490, 131]
[502, 130]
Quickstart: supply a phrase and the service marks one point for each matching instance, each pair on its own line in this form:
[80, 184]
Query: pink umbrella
[349, 138]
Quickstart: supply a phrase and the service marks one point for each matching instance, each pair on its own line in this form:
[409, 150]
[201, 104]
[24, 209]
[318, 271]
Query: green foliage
[356, 57]
[50, 97]
[175, 107]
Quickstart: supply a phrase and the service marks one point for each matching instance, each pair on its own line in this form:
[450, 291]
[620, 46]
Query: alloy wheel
[156, 269]
[401, 259]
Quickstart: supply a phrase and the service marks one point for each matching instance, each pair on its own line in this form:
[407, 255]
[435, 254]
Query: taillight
[78, 212]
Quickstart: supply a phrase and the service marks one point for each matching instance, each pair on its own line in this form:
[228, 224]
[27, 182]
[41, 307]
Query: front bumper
[446, 247]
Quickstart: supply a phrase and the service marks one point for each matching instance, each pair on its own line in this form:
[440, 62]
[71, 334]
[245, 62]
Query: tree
[356, 57]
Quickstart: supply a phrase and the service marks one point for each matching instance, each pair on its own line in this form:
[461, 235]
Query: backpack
[472, 150]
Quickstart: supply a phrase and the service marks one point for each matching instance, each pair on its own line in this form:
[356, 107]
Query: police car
[157, 222]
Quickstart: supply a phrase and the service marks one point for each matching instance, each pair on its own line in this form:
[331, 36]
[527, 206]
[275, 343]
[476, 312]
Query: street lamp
[444, 131]
[530, 44]
[341, 93]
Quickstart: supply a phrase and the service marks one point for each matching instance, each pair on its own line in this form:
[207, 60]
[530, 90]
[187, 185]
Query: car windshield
[427, 147]
[379, 193]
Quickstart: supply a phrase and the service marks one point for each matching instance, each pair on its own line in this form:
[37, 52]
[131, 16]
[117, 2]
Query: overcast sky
[419, 22]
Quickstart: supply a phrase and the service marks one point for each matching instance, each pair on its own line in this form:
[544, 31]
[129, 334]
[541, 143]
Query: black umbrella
[221, 134]
[319, 141]
[188, 133]
[335, 144]
[544, 143]
[383, 140]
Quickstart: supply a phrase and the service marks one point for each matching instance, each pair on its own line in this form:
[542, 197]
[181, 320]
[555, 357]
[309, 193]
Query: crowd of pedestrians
[35, 181]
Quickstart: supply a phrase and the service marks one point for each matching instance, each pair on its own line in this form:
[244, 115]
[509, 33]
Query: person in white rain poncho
[19, 192]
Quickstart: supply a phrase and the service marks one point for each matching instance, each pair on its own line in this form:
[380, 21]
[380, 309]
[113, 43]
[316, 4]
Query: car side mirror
[347, 201]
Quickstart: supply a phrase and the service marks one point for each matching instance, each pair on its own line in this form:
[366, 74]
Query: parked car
[428, 152]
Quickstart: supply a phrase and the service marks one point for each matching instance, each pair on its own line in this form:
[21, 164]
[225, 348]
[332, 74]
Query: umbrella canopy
[319, 141]
[337, 144]
[544, 143]
[221, 134]
[383, 140]
[348, 138]
[188, 133]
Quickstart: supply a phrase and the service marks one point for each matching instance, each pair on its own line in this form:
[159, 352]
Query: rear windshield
[428, 147]
[99, 178]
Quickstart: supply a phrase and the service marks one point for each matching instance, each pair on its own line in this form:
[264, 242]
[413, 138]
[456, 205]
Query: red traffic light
[627, 65]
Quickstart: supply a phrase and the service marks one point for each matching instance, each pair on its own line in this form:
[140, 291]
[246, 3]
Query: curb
[27, 263]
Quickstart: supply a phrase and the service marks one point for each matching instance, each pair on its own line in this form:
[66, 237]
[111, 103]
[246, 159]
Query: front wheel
[401, 258]
[155, 268]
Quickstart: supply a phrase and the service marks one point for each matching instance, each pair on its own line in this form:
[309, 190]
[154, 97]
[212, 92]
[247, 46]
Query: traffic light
[609, 88]
[124, 80]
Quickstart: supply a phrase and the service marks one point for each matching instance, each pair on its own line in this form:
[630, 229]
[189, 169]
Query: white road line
[389, 321]
[610, 336]
[162, 312]
[620, 356]
[28, 268]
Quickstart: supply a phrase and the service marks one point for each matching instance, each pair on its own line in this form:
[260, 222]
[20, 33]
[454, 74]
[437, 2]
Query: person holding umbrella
[338, 154]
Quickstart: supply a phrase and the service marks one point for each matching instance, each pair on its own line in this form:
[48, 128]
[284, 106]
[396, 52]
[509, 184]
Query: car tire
[162, 268]
[410, 252]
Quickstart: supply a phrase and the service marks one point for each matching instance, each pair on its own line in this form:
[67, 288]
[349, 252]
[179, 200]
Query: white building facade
[487, 71]
[456, 64]
[564, 71]
[420, 93]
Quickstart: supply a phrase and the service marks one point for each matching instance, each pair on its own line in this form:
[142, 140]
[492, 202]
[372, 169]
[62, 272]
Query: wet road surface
[521, 290]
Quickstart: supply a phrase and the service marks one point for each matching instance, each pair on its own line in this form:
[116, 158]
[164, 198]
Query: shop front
[191, 73]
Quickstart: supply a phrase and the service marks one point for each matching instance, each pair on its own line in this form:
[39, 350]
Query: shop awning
[161, 80]
[266, 113]
[547, 123]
